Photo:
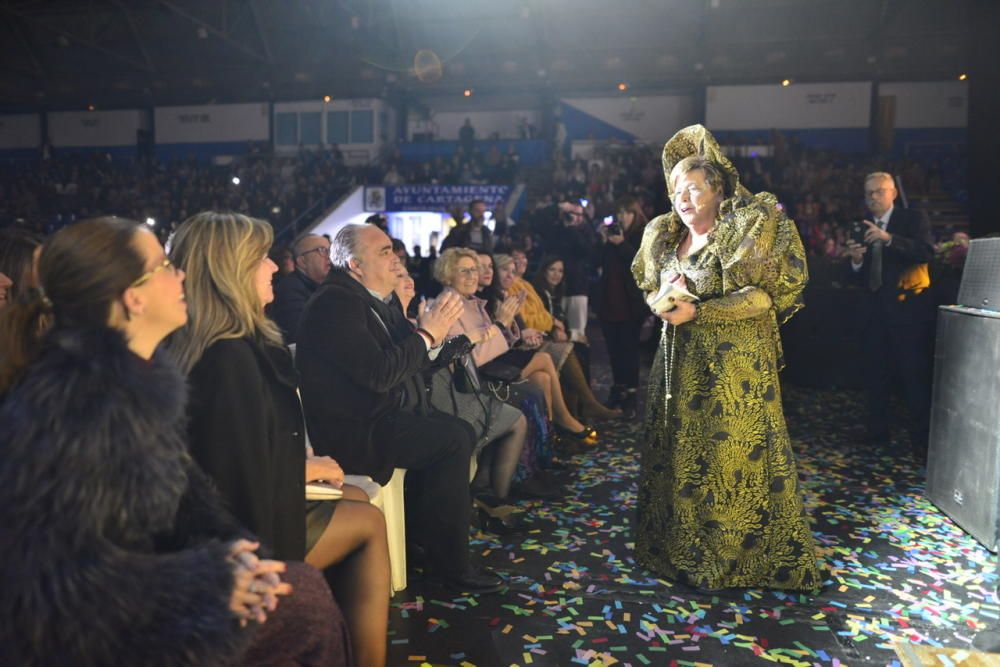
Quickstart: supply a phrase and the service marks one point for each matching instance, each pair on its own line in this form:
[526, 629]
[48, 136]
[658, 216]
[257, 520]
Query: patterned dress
[719, 504]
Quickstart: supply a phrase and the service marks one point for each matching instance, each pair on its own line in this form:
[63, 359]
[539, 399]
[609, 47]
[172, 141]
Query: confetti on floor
[897, 570]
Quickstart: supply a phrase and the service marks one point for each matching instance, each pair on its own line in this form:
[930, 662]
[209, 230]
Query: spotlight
[786, 82]
[276, 210]
[963, 76]
[236, 180]
[467, 93]
[91, 107]
[151, 222]
[623, 86]
[326, 98]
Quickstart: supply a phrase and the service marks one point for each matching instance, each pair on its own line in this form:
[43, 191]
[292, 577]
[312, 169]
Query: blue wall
[848, 140]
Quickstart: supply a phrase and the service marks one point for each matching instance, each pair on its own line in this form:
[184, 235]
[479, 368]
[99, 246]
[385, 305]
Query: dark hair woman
[620, 305]
[18, 256]
[115, 548]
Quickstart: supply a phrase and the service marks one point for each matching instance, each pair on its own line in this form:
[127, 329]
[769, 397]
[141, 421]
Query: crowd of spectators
[46, 195]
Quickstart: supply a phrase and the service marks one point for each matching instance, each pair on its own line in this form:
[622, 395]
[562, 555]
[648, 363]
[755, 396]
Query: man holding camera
[888, 258]
[365, 399]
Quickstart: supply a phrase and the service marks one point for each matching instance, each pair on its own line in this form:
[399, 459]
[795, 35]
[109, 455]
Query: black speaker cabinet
[963, 463]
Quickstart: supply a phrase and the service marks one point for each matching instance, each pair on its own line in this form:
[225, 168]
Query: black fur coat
[112, 543]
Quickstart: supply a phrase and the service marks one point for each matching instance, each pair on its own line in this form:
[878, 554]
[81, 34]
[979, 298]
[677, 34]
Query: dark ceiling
[60, 54]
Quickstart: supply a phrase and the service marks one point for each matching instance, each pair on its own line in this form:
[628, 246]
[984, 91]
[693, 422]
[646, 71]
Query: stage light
[786, 82]
[151, 222]
[467, 93]
[236, 180]
[91, 107]
[326, 98]
[623, 86]
[276, 210]
[963, 76]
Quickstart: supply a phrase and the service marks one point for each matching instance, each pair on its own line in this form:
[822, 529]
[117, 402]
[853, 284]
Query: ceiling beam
[260, 33]
[43, 25]
[134, 29]
[239, 46]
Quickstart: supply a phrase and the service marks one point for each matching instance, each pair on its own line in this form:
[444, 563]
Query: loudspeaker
[980, 286]
[963, 461]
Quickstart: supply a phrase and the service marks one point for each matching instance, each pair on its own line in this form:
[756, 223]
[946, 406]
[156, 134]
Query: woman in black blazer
[246, 427]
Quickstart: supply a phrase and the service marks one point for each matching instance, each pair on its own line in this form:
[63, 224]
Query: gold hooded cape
[718, 502]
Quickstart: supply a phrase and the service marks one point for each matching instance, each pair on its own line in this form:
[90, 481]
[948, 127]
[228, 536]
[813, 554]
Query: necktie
[875, 270]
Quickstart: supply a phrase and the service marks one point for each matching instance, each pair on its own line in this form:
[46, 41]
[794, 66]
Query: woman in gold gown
[719, 503]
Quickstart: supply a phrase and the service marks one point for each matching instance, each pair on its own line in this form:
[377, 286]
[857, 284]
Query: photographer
[889, 257]
[565, 231]
[620, 306]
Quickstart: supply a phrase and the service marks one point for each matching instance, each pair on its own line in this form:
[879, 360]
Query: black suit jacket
[352, 374]
[290, 297]
[911, 245]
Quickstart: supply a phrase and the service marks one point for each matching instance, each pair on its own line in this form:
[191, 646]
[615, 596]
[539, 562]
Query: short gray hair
[880, 175]
[345, 245]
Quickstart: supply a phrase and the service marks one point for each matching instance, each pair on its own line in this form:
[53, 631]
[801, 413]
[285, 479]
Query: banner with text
[432, 197]
[798, 106]
[96, 129]
[216, 123]
[20, 131]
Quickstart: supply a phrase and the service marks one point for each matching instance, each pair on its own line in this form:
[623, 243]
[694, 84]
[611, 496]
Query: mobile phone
[614, 229]
[858, 232]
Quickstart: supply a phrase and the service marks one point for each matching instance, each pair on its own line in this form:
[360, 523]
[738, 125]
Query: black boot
[615, 397]
[630, 403]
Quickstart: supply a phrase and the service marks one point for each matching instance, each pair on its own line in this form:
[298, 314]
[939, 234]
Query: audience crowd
[469, 369]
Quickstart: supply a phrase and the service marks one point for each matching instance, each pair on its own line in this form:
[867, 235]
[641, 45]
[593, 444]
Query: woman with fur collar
[115, 549]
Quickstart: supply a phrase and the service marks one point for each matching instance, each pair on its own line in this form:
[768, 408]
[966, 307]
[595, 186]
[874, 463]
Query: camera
[858, 230]
[614, 229]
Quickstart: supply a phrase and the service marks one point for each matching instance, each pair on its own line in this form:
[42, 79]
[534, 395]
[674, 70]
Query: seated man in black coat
[312, 264]
[365, 399]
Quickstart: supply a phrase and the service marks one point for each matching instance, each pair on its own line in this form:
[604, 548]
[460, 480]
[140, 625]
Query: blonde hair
[220, 253]
[444, 267]
[713, 174]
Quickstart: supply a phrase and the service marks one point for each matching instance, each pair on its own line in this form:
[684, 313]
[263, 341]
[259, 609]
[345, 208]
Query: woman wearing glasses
[115, 549]
[246, 428]
[719, 504]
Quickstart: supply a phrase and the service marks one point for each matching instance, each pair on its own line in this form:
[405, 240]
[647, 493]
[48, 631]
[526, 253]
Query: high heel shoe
[492, 506]
[586, 433]
[498, 526]
[598, 412]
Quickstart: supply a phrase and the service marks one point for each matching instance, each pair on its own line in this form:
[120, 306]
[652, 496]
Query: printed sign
[432, 197]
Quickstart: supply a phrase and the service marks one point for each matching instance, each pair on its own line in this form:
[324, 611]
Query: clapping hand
[508, 308]
[438, 318]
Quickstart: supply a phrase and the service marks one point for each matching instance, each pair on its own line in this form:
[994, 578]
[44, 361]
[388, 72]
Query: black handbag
[465, 377]
[500, 372]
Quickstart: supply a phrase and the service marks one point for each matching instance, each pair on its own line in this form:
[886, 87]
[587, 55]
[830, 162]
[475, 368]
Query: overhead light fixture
[326, 98]
[467, 93]
[91, 107]
[786, 82]
[236, 180]
[202, 33]
[276, 210]
[623, 86]
[963, 76]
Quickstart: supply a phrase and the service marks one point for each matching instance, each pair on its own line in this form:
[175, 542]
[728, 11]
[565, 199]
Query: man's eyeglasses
[166, 264]
[322, 250]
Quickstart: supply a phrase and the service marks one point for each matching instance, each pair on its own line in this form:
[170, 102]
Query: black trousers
[435, 450]
[899, 356]
[622, 339]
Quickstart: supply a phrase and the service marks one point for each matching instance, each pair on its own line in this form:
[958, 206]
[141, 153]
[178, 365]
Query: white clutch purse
[668, 295]
[323, 491]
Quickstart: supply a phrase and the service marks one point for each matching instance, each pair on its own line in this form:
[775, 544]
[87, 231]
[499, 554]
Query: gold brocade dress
[718, 503]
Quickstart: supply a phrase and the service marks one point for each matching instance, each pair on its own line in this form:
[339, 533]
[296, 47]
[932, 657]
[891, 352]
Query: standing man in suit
[898, 313]
[365, 398]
